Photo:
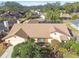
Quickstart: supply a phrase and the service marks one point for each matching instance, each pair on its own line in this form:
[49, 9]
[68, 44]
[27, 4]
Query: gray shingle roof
[2, 27]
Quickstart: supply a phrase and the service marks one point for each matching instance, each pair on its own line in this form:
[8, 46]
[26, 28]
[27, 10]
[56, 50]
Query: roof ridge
[57, 29]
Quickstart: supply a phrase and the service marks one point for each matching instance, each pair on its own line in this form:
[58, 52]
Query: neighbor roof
[65, 15]
[34, 21]
[2, 27]
[37, 30]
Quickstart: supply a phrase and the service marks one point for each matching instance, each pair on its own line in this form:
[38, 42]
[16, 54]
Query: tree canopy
[11, 6]
[52, 10]
[28, 49]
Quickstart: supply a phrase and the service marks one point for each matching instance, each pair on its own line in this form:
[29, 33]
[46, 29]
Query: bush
[69, 43]
[45, 52]
[2, 48]
[55, 44]
[76, 47]
[27, 49]
[63, 50]
[68, 55]
[74, 17]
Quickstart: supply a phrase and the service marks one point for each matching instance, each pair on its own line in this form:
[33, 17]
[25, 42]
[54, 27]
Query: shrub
[69, 43]
[76, 47]
[55, 44]
[74, 17]
[63, 50]
[2, 48]
[15, 51]
[27, 49]
[45, 52]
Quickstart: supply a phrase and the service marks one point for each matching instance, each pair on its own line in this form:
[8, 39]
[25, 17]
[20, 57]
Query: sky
[39, 2]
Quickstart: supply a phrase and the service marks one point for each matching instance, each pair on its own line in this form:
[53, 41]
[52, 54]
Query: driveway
[8, 52]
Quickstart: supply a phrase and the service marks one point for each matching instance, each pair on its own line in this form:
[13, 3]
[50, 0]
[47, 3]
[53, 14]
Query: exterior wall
[36, 40]
[57, 36]
[68, 37]
[14, 40]
[46, 40]
[42, 16]
[49, 40]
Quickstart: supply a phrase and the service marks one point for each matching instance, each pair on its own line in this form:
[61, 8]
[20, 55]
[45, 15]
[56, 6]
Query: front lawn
[68, 55]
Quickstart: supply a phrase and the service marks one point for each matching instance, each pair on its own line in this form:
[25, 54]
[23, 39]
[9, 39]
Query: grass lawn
[68, 55]
[72, 28]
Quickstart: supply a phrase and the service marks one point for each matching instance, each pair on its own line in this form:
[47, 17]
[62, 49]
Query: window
[41, 40]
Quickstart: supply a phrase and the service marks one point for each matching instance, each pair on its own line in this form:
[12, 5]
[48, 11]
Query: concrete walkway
[8, 52]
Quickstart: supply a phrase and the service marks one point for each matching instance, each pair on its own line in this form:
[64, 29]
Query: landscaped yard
[2, 48]
[68, 55]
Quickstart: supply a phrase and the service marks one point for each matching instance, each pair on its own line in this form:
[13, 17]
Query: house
[75, 24]
[5, 25]
[65, 16]
[11, 15]
[40, 32]
[39, 20]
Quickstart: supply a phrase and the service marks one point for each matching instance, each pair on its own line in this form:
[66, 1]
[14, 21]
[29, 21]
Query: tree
[28, 14]
[45, 52]
[53, 15]
[28, 49]
[12, 6]
[76, 47]
[71, 7]
[74, 17]
[63, 50]
[55, 44]
[69, 43]
[68, 7]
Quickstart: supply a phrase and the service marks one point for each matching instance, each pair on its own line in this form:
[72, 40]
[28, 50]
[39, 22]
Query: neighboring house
[5, 25]
[65, 16]
[39, 20]
[11, 15]
[75, 24]
[40, 32]
[75, 13]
